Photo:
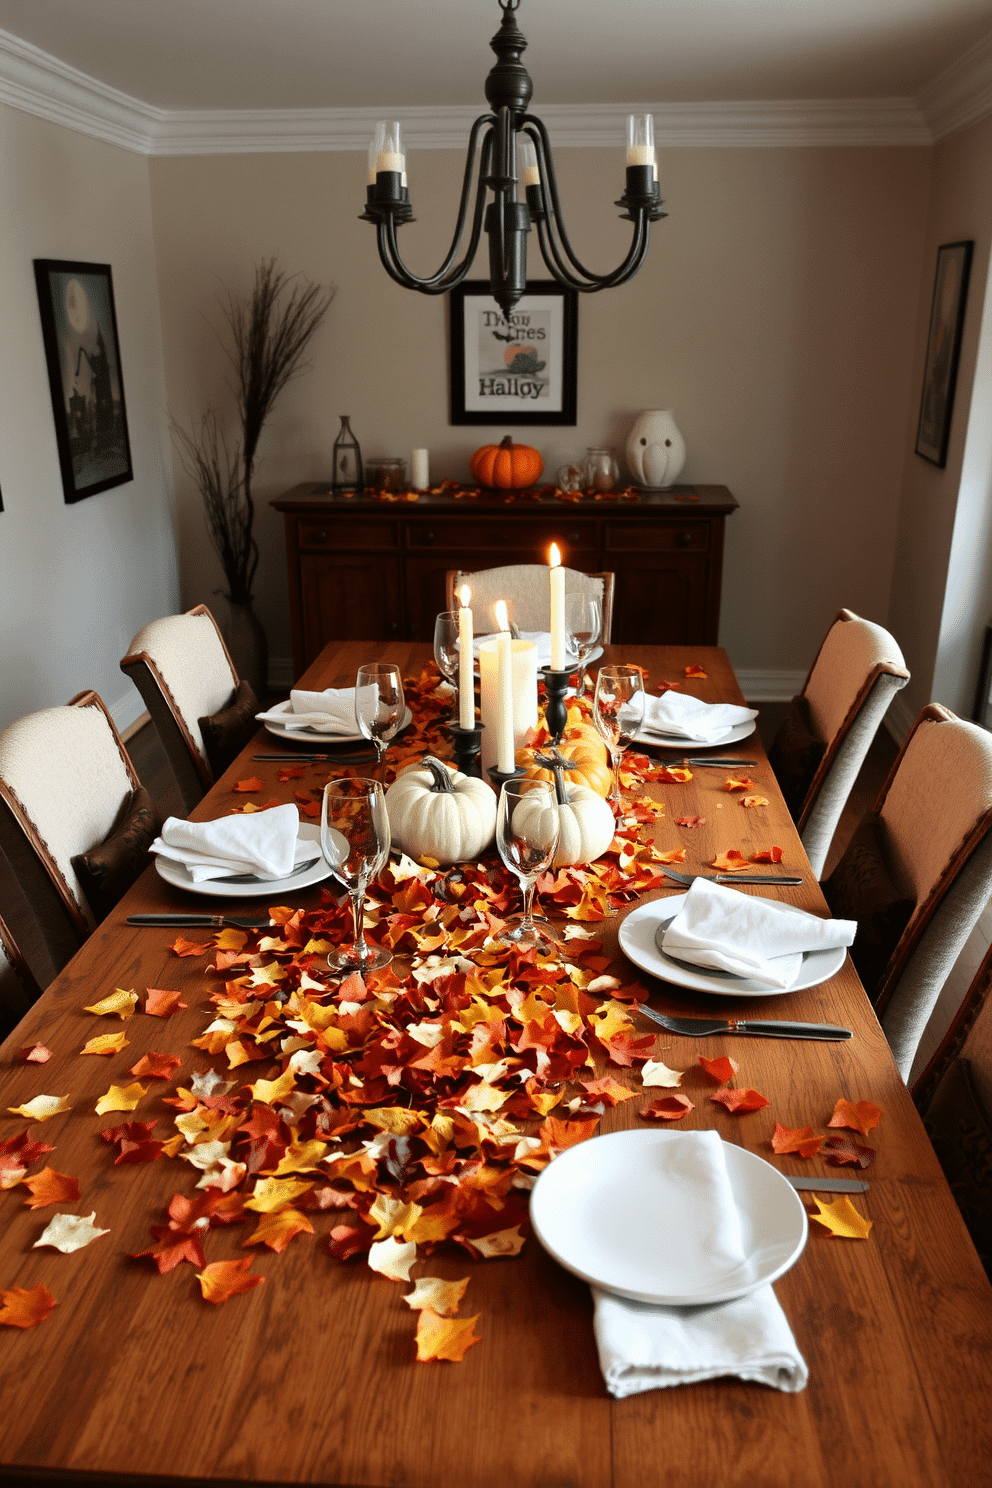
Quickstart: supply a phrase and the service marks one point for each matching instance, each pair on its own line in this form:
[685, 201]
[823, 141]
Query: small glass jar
[601, 470]
[571, 478]
[386, 475]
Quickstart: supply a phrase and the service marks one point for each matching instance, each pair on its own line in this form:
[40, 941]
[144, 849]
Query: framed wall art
[950, 291]
[516, 370]
[79, 327]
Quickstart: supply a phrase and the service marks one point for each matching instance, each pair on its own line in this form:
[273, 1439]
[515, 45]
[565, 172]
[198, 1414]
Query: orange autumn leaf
[721, 1070]
[607, 1089]
[843, 1150]
[444, 1338]
[860, 1117]
[767, 855]
[667, 1108]
[731, 861]
[276, 1230]
[675, 855]
[251, 784]
[695, 671]
[224, 1279]
[798, 1139]
[50, 1187]
[20, 1308]
[740, 1100]
[162, 1003]
[156, 1066]
[734, 784]
[35, 1054]
[184, 947]
[673, 775]
[686, 821]
[753, 801]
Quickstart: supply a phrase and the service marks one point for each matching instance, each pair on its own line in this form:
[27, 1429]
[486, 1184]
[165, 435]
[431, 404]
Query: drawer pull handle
[573, 537]
[393, 627]
[428, 537]
[321, 536]
[684, 539]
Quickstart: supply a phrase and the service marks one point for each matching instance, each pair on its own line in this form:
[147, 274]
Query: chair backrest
[935, 817]
[183, 671]
[18, 988]
[527, 592]
[857, 671]
[64, 778]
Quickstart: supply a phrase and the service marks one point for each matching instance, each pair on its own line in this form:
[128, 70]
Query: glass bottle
[601, 470]
[347, 460]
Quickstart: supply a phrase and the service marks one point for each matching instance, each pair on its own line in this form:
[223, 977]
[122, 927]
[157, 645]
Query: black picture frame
[82, 351]
[485, 387]
[940, 370]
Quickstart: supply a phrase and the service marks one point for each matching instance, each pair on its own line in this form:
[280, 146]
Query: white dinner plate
[316, 736]
[223, 888]
[610, 1215]
[680, 741]
[638, 941]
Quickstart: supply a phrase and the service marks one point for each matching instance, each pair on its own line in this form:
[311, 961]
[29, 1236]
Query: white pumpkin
[586, 824]
[436, 812]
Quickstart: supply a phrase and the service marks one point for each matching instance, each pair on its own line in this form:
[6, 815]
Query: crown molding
[36, 82]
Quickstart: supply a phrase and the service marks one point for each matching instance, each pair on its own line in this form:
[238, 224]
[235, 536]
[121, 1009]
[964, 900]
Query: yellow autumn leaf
[120, 1002]
[272, 1194]
[106, 1043]
[120, 1098]
[431, 1228]
[841, 1218]
[442, 1297]
[300, 1157]
[393, 1216]
[396, 1120]
[276, 1230]
[440, 1338]
[271, 1092]
[230, 940]
[484, 1097]
[42, 1108]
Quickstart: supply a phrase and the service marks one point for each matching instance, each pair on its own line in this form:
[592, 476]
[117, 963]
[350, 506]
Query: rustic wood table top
[311, 1378]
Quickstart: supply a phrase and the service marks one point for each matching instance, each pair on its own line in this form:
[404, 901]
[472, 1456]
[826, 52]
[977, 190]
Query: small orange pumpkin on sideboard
[506, 466]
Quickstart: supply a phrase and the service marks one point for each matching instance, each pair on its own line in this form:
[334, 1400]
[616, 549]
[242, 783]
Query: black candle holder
[555, 710]
[498, 778]
[468, 747]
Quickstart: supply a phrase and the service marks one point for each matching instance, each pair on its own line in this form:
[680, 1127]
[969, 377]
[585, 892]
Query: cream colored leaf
[500, 1243]
[442, 1297]
[653, 1072]
[392, 1258]
[42, 1108]
[69, 1232]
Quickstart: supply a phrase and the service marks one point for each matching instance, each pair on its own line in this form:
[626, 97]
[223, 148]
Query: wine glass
[354, 838]
[527, 827]
[583, 623]
[379, 705]
[618, 712]
[446, 645]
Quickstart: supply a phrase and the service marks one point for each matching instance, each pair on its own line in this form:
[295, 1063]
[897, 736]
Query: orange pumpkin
[506, 466]
[583, 763]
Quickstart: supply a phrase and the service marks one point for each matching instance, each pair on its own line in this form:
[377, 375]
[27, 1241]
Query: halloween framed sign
[515, 369]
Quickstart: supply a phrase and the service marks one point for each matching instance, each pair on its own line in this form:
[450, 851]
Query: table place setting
[236, 855]
[677, 717]
[331, 715]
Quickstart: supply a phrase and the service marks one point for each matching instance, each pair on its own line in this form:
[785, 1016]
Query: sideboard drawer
[469, 536]
[664, 537]
[315, 537]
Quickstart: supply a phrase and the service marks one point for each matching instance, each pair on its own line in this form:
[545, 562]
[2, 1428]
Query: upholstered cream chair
[527, 592]
[822, 744]
[929, 838]
[65, 783]
[18, 988]
[184, 673]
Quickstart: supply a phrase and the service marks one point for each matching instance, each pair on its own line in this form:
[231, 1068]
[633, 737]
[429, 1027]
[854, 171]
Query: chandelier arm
[620, 275]
[446, 277]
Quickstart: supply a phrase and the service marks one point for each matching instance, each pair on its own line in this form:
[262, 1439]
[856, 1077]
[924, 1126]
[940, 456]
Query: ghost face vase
[655, 449]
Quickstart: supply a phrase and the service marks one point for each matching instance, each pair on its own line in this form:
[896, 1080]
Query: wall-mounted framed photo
[82, 349]
[520, 369]
[950, 291]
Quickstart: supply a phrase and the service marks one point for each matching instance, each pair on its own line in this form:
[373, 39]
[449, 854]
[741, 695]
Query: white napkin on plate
[685, 717]
[264, 843]
[541, 638]
[331, 711]
[646, 1348]
[720, 928]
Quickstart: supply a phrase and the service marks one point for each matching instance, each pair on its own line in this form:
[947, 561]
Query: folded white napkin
[687, 717]
[722, 928]
[646, 1348]
[331, 711]
[541, 638]
[264, 843]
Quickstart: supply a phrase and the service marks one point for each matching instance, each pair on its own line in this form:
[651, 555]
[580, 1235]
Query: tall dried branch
[219, 476]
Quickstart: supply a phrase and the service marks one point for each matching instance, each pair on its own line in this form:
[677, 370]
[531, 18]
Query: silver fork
[702, 1027]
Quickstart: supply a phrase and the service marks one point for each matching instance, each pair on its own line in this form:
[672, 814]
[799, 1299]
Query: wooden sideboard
[362, 568]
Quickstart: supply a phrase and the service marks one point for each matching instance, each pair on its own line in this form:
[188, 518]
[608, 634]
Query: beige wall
[776, 315]
[76, 581]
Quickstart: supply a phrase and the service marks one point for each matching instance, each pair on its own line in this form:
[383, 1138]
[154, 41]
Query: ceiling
[321, 54]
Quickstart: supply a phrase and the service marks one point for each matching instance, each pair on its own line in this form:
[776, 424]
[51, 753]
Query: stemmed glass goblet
[618, 712]
[379, 705]
[354, 838]
[527, 829]
[446, 647]
[583, 623]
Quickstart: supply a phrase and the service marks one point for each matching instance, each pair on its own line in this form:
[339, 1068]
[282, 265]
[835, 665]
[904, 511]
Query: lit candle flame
[465, 596]
[554, 557]
[502, 619]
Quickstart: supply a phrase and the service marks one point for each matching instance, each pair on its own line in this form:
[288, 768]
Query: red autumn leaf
[695, 671]
[156, 1066]
[798, 1139]
[721, 1070]
[20, 1308]
[49, 1187]
[291, 772]
[184, 947]
[607, 1089]
[162, 1003]
[690, 821]
[138, 1152]
[733, 783]
[767, 855]
[251, 784]
[174, 1245]
[224, 1279]
[860, 1117]
[731, 861]
[845, 1150]
[35, 1054]
[24, 1149]
[350, 1240]
[672, 775]
[740, 1100]
[667, 1108]
[129, 1131]
[312, 809]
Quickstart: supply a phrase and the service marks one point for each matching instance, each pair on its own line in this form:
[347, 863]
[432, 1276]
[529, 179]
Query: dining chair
[917, 873]
[527, 591]
[821, 745]
[203, 712]
[75, 822]
[18, 987]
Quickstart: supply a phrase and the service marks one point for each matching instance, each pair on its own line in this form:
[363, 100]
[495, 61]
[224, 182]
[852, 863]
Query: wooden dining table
[311, 1378]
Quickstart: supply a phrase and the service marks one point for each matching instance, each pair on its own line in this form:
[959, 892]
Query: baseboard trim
[133, 728]
[770, 687]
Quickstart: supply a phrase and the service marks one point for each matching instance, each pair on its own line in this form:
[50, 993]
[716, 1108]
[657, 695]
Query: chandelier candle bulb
[419, 470]
[466, 667]
[640, 141]
[504, 693]
[557, 610]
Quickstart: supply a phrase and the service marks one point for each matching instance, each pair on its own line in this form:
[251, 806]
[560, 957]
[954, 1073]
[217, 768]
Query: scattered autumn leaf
[276, 1230]
[721, 1070]
[695, 671]
[676, 854]
[844, 1150]
[731, 861]
[672, 775]
[501, 1243]
[35, 1054]
[653, 1072]
[153, 1066]
[222, 1280]
[740, 1100]
[686, 821]
[106, 1043]
[42, 1108]
[767, 855]
[743, 783]
[21, 1308]
[754, 801]
[160, 1003]
[120, 1002]
[392, 1258]
[667, 1108]
[798, 1139]
[442, 1297]
[69, 1232]
[842, 1219]
[861, 1116]
[442, 1338]
[49, 1187]
[184, 947]
[120, 1098]
[250, 785]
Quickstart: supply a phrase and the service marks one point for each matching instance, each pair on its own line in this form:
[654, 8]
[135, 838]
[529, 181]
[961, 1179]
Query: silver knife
[829, 1185]
[316, 759]
[776, 1028]
[240, 922]
[728, 878]
[718, 764]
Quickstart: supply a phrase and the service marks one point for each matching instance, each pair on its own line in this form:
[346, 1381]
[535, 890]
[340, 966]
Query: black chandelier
[507, 221]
